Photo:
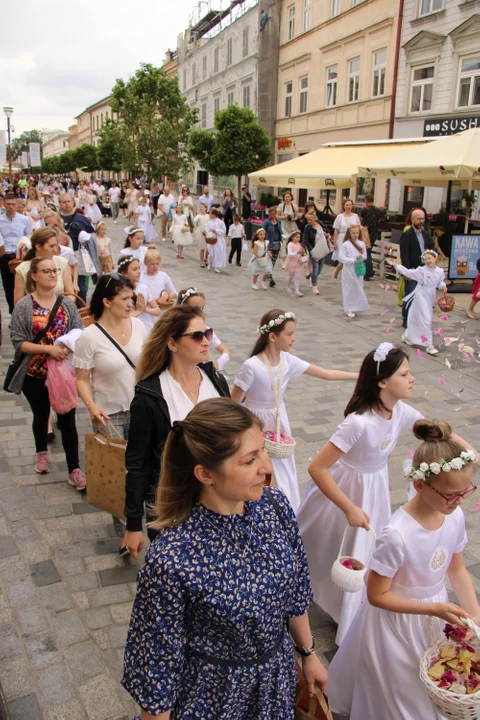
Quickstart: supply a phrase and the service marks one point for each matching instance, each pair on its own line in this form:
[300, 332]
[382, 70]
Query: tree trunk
[239, 194]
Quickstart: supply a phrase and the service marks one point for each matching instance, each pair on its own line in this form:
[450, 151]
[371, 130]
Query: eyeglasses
[198, 335]
[452, 498]
[50, 271]
[114, 276]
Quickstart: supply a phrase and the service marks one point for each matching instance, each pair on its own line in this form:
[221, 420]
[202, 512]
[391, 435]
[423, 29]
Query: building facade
[438, 90]
[54, 142]
[336, 68]
[91, 120]
[230, 56]
[170, 64]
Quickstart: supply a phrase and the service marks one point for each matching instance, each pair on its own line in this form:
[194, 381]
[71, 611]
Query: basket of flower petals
[278, 445]
[348, 573]
[450, 672]
[165, 302]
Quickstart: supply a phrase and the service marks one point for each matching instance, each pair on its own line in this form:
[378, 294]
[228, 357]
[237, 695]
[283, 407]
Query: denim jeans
[83, 286]
[317, 266]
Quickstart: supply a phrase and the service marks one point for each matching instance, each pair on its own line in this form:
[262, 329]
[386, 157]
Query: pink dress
[293, 263]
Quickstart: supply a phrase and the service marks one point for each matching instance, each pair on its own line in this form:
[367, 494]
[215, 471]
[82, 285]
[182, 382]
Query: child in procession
[134, 246]
[236, 233]
[181, 233]
[145, 306]
[375, 674]
[352, 254]
[104, 246]
[156, 280]
[201, 222]
[193, 297]
[293, 263]
[216, 252]
[260, 263]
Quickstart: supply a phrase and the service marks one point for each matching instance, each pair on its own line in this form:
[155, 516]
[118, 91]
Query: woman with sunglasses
[173, 375]
[374, 675]
[33, 316]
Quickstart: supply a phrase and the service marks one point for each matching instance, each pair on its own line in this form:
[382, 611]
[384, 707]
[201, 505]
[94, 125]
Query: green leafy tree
[20, 144]
[154, 123]
[114, 148]
[85, 157]
[238, 146]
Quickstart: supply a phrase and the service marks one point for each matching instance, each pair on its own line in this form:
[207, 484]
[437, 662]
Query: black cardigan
[149, 428]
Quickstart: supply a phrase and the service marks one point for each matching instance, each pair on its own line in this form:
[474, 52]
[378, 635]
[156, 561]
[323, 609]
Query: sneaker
[202, 265]
[239, 264]
[42, 466]
[289, 290]
[264, 285]
[50, 437]
[209, 267]
[432, 350]
[164, 239]
[272, 283]
[315, 290]
[217, 270]
[404, 339]
[77, 479]
[255, 287]
[229, 261]
[114, 222]
[350, 315]
[299, 294]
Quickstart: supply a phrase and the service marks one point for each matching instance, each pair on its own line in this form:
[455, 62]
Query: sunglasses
[114, 276]
[452, 498]
[198, 335]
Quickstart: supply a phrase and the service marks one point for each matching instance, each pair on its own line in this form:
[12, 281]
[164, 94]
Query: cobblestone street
[66, 596]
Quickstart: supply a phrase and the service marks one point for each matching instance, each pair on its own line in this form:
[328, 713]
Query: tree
[238, 146]
[113, 148]
[154, 123]
[20, 144]
[85, 157]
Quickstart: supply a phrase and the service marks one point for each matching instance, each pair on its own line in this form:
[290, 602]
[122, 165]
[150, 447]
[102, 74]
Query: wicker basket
[344, 578]
[451, 705]
[446, 303]
[279, 450]
[83, 310]
[276, 449]
[210, 240]
[165, 302]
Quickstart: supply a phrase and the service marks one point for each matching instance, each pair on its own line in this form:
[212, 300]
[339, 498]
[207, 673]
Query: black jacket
[410, 252]
[149, 428]
[309, 237]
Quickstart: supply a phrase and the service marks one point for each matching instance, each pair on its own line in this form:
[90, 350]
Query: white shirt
[158, 282]
[178, 402]
[68, 254]
[114, 193]
[236, 231]
[165, 202]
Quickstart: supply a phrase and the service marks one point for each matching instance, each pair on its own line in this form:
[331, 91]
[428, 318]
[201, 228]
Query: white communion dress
[362, 474]
[354, 298]
[254, 380]
[181, 234]
[216, 253]
[374, 674]
[422, 299]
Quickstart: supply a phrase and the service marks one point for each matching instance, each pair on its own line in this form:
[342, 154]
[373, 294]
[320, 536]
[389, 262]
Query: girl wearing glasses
[173, 375]
[374, 675]
[44, 244]
[31, 317]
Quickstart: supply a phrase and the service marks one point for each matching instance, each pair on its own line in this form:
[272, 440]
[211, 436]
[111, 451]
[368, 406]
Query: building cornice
[386, 22]
[295, 61]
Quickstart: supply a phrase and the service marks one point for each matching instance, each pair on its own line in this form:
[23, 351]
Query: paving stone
[55, 598]
[106, 546]
[77, 550]
[69, 629]
[83, 508]
[118, 576]
[84, 661]
[475, 569]
[9, 642]
[21, 592]
[105, 562]
[97, 618]
[121, 613]
[44, 573]
[117, 635]
[55, 686]
[12, 568]
[42, 651]
[87, 581]
[100, 698]
[16, 676]
[24, 530]
[8, 546]
[72, 710]
[25, 708]
[109, 595]
[31, 620]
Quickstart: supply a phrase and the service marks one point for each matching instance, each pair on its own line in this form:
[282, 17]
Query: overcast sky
[57, 58]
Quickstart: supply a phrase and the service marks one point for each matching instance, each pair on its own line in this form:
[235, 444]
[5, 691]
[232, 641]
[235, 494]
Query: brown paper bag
[310, 708]
[365, 236]
[105, 472]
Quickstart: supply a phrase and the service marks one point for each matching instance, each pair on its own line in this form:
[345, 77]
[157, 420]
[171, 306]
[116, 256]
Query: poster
[34, 150]
[3, 148]
[463, 257]
[25, 159]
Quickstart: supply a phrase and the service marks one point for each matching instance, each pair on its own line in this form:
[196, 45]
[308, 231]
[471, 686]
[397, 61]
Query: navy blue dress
[203, 604]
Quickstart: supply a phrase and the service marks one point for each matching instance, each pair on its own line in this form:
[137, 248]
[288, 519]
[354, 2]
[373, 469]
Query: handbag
[114, 342]
[262, 261]
[308, 707]
[360, 268]
[105, 471]
[321, 248]
[365, 236]
[87, 262]
[15, 364]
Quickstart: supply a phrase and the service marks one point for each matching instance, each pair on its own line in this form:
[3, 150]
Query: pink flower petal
[443, 318]
[387, 311]
[423, 338]
[477, 506]
[392, 321]
[387, 287]
[411, 452]
[438, 331]
[441, 381]
[382, 286]
[387, 331]
[419, 354]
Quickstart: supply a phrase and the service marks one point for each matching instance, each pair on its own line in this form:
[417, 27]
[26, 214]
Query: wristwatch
[305, 652]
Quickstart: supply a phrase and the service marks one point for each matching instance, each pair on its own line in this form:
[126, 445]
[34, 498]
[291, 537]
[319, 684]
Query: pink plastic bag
[62, 391]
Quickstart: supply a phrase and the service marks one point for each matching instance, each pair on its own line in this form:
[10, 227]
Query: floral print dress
[207, 636]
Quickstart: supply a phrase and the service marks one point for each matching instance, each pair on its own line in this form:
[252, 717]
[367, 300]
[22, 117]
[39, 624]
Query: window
[106, 115]
[379, 71]
[356, 2]
[353, 79]
[246, 96]
[429, 6]
[291, 22]
[307, 14]
[184, 79]
[332, 78]
[288, 99]
[230, 95]
[335, 8]
[229, 51]
[215, 60]
[303, 94]
[245, 42]
[216, 104]
[194, 73]
[204, 67]
[204, 115]
[422, 89]
[469, 87]
[101, 120]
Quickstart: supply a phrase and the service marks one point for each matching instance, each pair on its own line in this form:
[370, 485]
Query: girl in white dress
[253, 386]
[134, 246]
[217, 255]
[143, 216]
[349, 477]
[145, 307]
[429, 279]
[260, 262]
[200, 222]
[92, 211]
[156, 280]
[181, 234]
[352, 252]
[193, 297]
[340, 227]
[374, 675]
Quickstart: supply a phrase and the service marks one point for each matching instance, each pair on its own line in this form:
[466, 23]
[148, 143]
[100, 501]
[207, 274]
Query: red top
[476, 286]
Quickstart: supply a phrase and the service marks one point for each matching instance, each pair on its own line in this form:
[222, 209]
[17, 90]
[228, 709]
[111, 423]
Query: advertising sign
[3, 148]
[34, 150]
[25, 159]
[463, 257]
[433, 127]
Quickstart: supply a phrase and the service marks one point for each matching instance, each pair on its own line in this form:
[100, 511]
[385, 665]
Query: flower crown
[191, 292]
[263, 329]
[381, 353]
[429, 252]
[424, 470]
[125, 261]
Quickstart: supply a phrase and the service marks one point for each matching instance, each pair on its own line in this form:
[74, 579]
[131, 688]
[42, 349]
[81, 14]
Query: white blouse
[179, 403]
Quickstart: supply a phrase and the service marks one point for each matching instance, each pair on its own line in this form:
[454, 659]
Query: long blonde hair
[155, 355]
[210, 434]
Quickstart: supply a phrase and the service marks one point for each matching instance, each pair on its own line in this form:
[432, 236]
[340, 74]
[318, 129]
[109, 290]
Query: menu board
[463, 257]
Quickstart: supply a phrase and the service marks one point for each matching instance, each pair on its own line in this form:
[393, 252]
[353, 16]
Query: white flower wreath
[424, 470]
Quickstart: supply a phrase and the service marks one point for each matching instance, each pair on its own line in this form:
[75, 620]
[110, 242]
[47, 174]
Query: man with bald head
[74, 224]
[413, 243]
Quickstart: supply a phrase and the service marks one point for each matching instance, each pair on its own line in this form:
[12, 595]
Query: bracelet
[305, 652]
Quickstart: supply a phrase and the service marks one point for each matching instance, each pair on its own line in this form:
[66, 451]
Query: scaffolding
[210, 17]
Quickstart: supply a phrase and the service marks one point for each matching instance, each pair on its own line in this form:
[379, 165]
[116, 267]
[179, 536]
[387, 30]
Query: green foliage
[85, 157]
[20, 144]
[269, 199]
[113, 147]
[153, 126]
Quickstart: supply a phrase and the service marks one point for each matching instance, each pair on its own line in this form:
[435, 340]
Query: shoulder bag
[321, 248]
[114, 342]
[15, 364]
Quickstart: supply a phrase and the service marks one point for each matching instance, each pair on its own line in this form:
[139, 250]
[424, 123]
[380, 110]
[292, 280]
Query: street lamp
[9, 112]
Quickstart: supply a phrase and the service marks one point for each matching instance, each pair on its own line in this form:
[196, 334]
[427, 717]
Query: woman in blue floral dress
[208, 634]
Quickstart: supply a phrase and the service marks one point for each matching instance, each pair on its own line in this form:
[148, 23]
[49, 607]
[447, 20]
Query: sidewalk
[65, 596]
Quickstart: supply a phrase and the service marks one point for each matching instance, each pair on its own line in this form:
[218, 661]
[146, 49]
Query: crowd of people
[236, 556]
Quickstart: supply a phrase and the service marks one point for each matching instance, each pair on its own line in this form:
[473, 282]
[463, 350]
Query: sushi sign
[463, 257]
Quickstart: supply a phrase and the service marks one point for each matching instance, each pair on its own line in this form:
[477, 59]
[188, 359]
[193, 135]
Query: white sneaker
[255, 287]
[350, 315]
[264, 285]
[432, 350]
[114, 222]
[217, 270]
[164, 239]
[406, 341]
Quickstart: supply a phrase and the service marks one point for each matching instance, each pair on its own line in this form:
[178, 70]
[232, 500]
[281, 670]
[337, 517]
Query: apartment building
[54, 142]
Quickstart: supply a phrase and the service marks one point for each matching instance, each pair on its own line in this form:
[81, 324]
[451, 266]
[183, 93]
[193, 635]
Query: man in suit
[413, 243]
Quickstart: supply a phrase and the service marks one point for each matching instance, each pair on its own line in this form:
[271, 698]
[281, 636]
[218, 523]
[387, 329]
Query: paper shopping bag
[310, 708]
[105, 472]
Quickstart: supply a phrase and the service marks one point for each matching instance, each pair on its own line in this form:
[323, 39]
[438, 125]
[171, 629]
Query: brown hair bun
[432, 430]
